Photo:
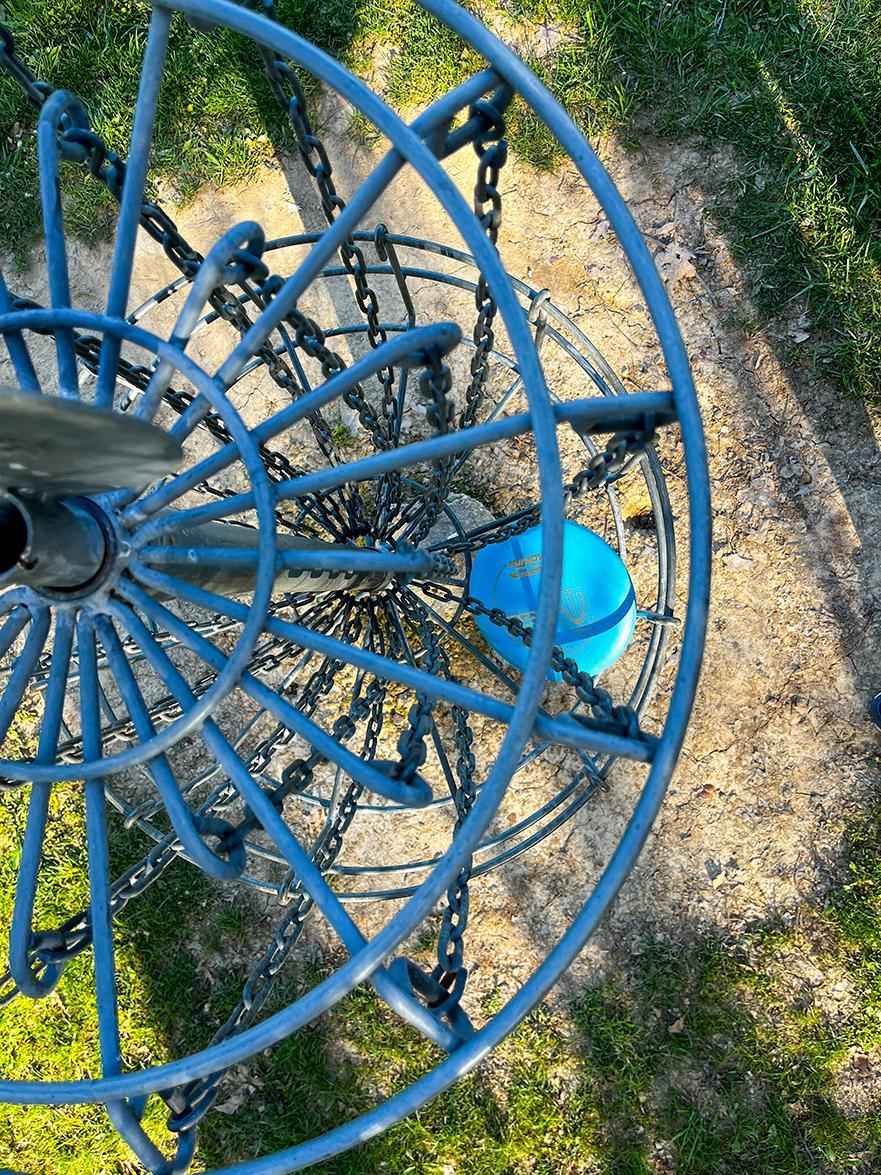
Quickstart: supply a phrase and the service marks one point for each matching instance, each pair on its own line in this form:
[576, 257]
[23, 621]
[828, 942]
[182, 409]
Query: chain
[450, 973]
[485, 128]
[486, 125]
[191, 1102]
[411, 748]
[208, 628]
[299, 774]
[492, 154]
[121, 731]
[606, 715]
[288, 93]
[35, 91]
[317, 686]
[599, 469]
[311, 339]
[435, 383]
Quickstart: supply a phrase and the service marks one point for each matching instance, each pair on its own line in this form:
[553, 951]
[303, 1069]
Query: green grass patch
[164, 1000]
[214, 116]
[703, 1059]
[343, 436]
[698, 1059]
[790, 86]
[56, 1038]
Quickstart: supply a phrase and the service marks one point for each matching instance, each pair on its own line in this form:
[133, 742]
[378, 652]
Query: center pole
[61, 545]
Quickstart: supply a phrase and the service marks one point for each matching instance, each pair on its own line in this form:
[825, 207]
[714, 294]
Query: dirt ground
[780, 746]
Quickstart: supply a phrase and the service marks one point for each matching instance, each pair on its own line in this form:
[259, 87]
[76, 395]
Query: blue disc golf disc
[597, 601]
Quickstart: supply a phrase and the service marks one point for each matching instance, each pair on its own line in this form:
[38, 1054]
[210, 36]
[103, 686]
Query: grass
[57, 1037]
[698, 1059]
[342, 436]
[788, 87]
[214, 121]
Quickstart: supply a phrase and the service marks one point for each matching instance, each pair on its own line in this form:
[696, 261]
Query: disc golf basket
[238, 536]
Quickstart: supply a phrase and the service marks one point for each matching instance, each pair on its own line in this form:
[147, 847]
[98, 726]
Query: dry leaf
[235, 1100]
[862, 1065]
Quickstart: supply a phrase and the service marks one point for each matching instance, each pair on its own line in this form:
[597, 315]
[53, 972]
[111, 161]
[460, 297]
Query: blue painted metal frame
[262, 501]
[589, 360]
[122, 1092]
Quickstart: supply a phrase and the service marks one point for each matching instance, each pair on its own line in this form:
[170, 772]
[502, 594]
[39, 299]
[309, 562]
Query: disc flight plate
[597, 601]
[65, 447]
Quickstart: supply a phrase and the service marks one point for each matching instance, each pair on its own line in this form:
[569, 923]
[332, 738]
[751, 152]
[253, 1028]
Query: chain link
[492, 154]
[601, 468]
[450, 974]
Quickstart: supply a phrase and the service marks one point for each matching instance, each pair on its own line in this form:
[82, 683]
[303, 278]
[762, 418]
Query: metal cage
[217, 649]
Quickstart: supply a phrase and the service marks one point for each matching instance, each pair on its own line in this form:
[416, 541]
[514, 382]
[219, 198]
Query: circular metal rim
[368, 958]
[594, 364]
[686, 681]
[264, 507]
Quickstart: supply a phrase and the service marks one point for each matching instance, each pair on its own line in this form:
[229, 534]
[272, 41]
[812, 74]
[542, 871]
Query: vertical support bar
[18, 351]
[132, 199]
[18, 679]
[30, 984]
[58, 106]
[121, 1112]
